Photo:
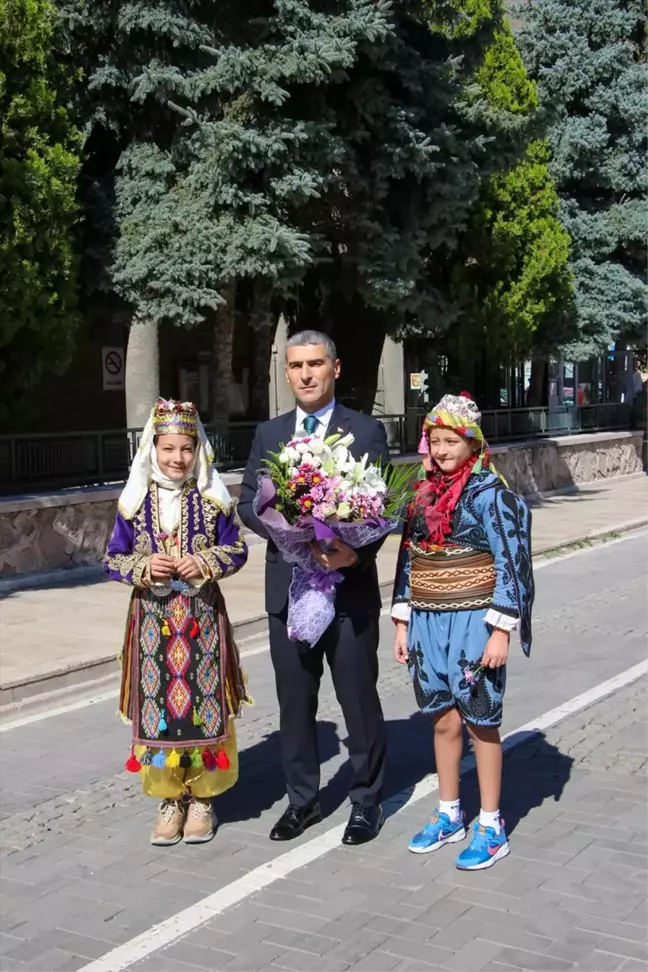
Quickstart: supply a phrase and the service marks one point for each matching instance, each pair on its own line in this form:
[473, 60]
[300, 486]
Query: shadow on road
[534, 771]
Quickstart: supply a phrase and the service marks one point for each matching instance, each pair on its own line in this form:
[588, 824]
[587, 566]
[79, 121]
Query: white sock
[488, 819]
[451, 808]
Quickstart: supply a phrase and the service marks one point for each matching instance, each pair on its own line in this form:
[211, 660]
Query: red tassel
[195, 629]
[209, 760]
[222, 762]
[133, 764]
[465, 394]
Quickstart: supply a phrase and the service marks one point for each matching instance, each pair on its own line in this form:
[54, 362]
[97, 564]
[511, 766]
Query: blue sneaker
[438, 832]
[485, 849]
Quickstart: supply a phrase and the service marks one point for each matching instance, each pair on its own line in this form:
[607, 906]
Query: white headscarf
[145, 469]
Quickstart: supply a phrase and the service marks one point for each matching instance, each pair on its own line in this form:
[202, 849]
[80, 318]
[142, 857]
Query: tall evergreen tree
[510, 278]
[217, 147]
[588, 59]
[416, 141]
[39, 165]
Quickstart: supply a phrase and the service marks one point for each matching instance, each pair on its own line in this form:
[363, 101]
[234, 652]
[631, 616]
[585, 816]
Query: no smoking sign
[113, 369]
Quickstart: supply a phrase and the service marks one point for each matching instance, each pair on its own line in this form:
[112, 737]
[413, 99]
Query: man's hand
[497, 648]
[162, 566]
[341, 555]
[188, 568]
[401, 651]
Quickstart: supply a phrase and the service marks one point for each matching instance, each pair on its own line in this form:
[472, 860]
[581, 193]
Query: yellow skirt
[173, 783]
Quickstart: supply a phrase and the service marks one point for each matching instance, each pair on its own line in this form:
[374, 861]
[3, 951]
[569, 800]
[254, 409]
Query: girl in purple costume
[176, 535]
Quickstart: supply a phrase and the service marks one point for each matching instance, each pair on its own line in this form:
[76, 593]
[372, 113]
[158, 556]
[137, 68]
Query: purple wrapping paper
[311, 598]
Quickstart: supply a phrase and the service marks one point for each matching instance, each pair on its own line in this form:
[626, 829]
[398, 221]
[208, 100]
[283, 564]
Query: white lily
[374, 481]
[317, 447]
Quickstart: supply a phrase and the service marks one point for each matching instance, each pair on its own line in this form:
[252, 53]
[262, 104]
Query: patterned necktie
[310, 423]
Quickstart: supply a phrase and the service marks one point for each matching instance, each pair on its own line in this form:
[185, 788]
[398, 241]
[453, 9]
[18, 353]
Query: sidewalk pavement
[79, 627]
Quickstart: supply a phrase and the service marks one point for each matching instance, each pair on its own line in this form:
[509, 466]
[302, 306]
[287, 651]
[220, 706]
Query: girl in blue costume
[464, 582]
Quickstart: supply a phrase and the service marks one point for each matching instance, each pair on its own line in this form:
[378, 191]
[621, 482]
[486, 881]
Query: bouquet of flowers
[313, 489]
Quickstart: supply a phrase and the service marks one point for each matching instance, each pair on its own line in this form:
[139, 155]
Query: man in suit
[350, 644]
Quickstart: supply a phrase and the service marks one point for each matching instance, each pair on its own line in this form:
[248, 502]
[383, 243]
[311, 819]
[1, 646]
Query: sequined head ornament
[175, 418]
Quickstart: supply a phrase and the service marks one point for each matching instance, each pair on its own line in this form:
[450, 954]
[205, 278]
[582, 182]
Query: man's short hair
[313, 337]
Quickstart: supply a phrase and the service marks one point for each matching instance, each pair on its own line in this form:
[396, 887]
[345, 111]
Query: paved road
[79, 878]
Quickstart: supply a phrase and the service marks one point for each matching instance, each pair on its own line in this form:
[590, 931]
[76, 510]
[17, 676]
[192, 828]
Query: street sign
[113, 369]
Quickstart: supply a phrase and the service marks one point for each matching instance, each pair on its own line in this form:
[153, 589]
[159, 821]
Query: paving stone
[417, 951]
[443, 912]
[615, 929]
[302, 941]
[474, 956]
[376, 961]
[301, 962]
[598, 961]
[575, 945]
[256, 957]
[532, 961]
[413, 931]
[358, 947]
[621, 946]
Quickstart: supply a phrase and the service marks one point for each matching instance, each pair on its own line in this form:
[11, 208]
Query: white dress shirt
[323, 415]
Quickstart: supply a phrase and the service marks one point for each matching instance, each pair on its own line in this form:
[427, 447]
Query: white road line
[169, 931]
[262, 648]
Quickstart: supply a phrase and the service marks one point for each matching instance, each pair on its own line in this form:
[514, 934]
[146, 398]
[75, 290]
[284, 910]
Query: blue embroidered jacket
[491, 518]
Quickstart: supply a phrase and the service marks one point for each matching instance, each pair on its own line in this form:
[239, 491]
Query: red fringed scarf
[436, 499]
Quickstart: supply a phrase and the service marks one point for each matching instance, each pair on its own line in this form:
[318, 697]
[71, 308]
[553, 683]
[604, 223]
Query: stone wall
[542, 466]
[69, 530]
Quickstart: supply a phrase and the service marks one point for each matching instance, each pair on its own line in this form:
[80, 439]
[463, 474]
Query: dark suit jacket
[359, 591]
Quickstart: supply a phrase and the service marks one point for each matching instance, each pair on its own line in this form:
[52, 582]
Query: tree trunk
[359, 333]
[142, 375]
[262, 331]
[538, 391]
[221, 362]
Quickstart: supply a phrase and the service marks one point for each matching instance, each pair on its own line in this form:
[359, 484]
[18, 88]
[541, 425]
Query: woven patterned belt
[451, 579]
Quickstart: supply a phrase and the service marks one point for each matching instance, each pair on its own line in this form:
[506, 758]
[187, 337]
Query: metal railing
[517, 424]
[61, 460]
[68, 459]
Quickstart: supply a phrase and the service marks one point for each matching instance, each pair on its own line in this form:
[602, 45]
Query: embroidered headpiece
[175, 418]
[456, 412]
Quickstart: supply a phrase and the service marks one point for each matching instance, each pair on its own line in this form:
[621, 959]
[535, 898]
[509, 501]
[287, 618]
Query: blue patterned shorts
[443, 646]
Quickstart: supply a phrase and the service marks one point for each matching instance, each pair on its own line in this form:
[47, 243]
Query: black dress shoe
[364, 824]
[295, 820]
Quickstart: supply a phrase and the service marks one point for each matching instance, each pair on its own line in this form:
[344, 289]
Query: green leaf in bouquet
[399, 479]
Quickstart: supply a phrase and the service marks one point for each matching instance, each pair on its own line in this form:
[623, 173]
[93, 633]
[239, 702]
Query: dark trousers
[350, 646]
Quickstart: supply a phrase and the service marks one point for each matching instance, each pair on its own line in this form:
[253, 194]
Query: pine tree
[416, 141]
[219, 148]
[40, 164]
[588, 59]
